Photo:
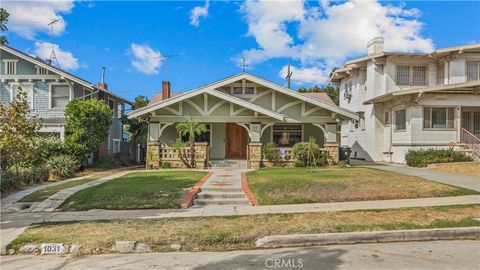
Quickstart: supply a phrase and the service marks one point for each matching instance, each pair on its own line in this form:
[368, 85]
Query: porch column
[201, 149]
[331, 145]
[153, 155]
[255, 146]
[458, 122]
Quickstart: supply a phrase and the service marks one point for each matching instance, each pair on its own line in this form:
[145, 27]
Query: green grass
[274, 186]
[240, 232]
[136, 191]
[44, 193]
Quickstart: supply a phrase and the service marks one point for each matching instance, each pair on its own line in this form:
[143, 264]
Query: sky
[205, 41]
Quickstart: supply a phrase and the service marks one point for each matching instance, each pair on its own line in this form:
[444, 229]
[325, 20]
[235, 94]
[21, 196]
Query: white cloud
[66, 60]
[309, 75]
[145, 59]
[199, 12]
[27, 18]
[328, 34]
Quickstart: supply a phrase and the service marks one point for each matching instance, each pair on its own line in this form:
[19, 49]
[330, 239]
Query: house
[410, 101]
[50, 89]
[241, 113]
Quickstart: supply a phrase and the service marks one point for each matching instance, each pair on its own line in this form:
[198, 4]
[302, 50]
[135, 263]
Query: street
[406, 255]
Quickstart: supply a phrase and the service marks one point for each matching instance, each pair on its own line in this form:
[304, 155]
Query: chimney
[165, 90]
[102, 85]
[375, 45]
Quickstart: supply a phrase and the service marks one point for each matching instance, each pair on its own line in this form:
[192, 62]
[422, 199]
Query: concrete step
[220, 195]
[222, 201]
[220, 189]
[229, 163]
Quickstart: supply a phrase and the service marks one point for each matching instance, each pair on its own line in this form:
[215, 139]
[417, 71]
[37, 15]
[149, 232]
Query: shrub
[115, 161]
[421, 158]
[166, 165]
[271, 153]
[8, 182]
[44, 148]
[308, 154]
[62, 166]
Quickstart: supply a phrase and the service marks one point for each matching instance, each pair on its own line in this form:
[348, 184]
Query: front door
[236, 141]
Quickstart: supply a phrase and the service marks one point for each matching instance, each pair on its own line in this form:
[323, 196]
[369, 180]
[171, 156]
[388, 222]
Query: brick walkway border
[246, 190]
[190, 196]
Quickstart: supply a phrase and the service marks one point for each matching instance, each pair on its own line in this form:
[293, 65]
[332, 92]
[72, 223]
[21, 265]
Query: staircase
[223, 187]
[228, 164]
[470, 143]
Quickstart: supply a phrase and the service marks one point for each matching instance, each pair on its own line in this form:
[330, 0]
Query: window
[119, 110]
[204, 137]
[411, 75]
[59, 96]
[287, 135]
[362, 122]
[437, 117]
[116, 146]
[41, 70]
[386, 119]
[237, 90]
[400, 120]
[111, 105]
[472, 70]
[10, 66]
[249, 90]
[28, 88]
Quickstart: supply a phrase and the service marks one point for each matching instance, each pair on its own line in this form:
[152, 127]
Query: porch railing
[471, 141]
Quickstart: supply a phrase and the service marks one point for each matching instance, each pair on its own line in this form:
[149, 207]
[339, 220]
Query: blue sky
[129, 38]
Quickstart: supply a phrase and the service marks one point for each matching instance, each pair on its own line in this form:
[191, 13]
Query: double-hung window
[472, 70]
[414, 75]
[287, 135]
[59, 96]
[438, 118]
[400, 120]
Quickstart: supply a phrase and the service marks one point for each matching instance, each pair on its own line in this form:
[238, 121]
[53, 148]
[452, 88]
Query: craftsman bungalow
[241, 113]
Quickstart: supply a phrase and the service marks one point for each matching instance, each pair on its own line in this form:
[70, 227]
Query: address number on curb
[52, 248]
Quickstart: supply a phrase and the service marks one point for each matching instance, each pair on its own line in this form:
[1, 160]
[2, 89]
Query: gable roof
[39, 62]
[321, 96]
[323, 104]
[158, 96]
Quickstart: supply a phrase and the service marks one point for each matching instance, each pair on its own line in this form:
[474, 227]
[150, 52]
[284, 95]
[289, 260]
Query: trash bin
[345, 153]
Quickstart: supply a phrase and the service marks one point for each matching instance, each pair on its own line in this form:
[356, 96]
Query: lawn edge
[192, 193]
[252, 199]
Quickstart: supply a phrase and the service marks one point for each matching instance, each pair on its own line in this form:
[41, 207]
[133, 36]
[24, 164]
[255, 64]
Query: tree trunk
[191, 140]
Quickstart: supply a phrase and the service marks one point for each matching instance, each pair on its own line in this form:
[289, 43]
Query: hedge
[423, 157]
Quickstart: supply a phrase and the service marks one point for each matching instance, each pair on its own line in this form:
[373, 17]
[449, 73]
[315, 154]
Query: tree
[18, 130]
[138, 129]
[191, 128]
[330, 90]
[3, 25]
[88, 122]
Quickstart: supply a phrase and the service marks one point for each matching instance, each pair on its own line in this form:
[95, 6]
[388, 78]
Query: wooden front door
[235, 141]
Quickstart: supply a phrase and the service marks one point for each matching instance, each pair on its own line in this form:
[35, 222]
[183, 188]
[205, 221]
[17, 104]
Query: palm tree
[191, 128]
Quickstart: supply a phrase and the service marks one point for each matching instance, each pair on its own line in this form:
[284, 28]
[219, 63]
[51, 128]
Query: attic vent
[42, 71]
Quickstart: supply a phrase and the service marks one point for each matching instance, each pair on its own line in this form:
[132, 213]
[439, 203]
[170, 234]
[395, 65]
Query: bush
[44, 148]
[421, 158]
[8, 182]
[308, 154]
[271, 153]
[115, 161]
[166, 165]
[62, 166]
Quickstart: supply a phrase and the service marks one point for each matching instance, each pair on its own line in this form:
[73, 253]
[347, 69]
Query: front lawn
[322, 185]
[240, 232]
[44, 193]
[136, 191]
[472, 169]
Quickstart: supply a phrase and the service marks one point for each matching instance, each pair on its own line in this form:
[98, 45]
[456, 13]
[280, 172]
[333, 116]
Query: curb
[252, 200]
[187, 201]
[276, 241]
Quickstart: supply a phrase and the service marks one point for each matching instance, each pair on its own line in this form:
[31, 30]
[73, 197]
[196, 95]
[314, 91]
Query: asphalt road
[407, 255]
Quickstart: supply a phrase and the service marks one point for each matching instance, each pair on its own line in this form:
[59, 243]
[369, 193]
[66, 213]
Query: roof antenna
[53, 56]
[289, 75]
[165, 58]
[244, 65]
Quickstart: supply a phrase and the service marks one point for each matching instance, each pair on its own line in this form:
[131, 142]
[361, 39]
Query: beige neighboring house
[242, 113]
[410, 101]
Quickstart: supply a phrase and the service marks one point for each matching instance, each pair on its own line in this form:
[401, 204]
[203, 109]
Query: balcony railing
[471, 141]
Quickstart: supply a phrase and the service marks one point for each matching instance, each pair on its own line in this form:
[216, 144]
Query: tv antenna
[165, 58]
[289, 75]
[53, 56]
[244, 64]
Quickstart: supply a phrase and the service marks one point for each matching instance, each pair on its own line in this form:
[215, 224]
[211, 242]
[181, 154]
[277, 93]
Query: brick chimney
[165, 90]
[102, 85]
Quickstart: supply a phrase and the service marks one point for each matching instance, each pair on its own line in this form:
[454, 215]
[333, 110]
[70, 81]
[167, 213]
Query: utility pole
[289, 75]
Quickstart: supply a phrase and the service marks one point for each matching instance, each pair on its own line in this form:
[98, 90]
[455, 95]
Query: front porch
[239, 142]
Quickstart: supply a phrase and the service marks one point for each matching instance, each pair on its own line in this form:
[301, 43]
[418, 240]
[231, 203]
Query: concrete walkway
[223, 187]
[458, 180]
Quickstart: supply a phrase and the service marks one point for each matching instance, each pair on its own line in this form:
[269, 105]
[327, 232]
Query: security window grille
[411, 75]
[400, 120]
[287, 135]
[60, 96]
[472, 70]
[403, 73]
[419, 75]
[10, 67]
[436, 117]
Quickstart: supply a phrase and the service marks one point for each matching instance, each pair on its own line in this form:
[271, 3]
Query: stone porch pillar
[331, 145]
[254, 155]
[153, 155]
[201, 155]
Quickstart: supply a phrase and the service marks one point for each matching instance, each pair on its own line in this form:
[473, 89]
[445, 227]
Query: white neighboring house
[410, 101]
